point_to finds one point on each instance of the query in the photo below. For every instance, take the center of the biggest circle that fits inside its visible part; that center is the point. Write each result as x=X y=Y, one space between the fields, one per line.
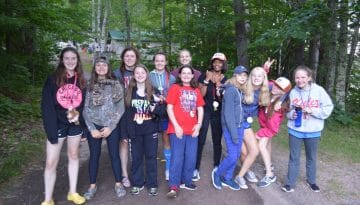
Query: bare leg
x=124 y=157
x=263 y=147
x=253 y=151
x=73 y=156
x=244 y=153
x=52 y=159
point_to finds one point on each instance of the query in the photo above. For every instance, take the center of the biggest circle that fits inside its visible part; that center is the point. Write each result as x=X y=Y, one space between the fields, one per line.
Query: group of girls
x=251 y=95
x=127 y=108
x=131 y=106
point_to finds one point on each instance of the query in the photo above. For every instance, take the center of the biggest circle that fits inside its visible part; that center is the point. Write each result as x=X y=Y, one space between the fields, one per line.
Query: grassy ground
x=337 y=141
x=22 y=136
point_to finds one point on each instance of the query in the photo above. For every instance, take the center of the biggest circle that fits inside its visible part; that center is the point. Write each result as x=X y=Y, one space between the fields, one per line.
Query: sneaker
x=153 y=191
x=190 y=187
x=216 y=180
x=90 y=193
x=126 y=182
x=196 y=176
x=241 y=182
x=314 y=187
x=173 y=191
x=266 y=181
x=231 y=184
x=136 y=190
x=251 y=177
x=76 y=198
x=287 y=188
x=120 y=191
x=167 y=175
x=51 y=202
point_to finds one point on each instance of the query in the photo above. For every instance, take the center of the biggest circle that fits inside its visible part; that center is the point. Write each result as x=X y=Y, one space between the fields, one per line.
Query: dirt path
x=339 y=182
x=338 y=185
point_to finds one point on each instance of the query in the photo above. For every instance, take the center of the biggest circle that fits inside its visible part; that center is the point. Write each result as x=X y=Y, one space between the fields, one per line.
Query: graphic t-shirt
x=185 y=101
x=142 y=115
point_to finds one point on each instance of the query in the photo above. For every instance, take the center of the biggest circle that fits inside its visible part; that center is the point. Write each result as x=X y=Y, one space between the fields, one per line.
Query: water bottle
x=298 y=119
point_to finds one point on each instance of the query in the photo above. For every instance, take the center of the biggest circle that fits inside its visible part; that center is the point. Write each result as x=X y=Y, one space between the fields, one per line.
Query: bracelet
x=206 y=82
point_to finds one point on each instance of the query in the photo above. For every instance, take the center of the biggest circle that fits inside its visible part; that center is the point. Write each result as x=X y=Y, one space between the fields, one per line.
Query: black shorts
x=70 y=131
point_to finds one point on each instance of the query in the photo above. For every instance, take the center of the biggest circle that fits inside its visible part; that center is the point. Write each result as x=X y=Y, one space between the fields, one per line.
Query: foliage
x=340 y=116
x=28 y=40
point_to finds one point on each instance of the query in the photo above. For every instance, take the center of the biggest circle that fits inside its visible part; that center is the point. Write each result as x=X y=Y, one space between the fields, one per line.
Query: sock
x=167 y=156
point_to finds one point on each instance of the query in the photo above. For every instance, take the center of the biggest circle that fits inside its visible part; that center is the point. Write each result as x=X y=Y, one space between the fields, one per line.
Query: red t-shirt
x=185 y=101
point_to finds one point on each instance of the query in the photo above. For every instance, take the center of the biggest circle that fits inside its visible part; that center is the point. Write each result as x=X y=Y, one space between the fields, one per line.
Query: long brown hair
x=60 y=72
x=149 y=91
x=95 y=76
x=161 y=54
x=137 y=54
x=193 y=83
x=276 y=99
x=308 y=71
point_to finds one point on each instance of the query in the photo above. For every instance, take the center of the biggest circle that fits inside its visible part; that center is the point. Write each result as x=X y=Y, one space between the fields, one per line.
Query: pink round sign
x=69 y=96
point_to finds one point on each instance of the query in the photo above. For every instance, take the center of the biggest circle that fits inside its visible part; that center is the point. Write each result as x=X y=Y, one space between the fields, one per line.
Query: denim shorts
x=246 y=125
x=70 y=131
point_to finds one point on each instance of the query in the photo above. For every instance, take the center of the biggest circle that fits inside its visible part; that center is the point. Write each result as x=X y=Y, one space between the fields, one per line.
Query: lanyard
x=73 y=89
x=160 y=80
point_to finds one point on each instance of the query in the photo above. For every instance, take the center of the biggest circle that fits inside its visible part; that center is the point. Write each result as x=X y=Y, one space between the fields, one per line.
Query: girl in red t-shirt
x=185 y=111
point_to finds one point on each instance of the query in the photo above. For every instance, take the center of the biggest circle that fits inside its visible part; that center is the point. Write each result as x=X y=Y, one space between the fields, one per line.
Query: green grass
x=22 y=136
x=19 y=151
x=337 y=142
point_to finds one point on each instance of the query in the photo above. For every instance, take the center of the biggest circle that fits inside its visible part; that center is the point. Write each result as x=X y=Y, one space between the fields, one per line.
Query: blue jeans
x=213 y=118
x=95 y=152
x=228 y=164
x=183 y=159
x=141 y=146
x=311 y=147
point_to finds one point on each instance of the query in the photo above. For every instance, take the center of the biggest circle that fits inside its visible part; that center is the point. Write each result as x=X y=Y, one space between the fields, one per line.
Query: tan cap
x=283 y=83
x=219 y=56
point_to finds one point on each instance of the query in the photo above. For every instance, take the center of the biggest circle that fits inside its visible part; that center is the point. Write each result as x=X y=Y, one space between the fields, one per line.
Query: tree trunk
x=93 y=16
x=98 y=18
x=299 y=53
x=170 y=38
x=163 y=27
x=354 y=42
x=240 y=33
x=314 y=54
x=103 y=27
x=342 y=68
x=188 y=13
x=330 y=56
x=127 y=23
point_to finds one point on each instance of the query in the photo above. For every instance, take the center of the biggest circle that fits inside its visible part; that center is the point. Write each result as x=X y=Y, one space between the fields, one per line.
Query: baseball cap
x=283 y=83
x=219 y=56
x=240 y=69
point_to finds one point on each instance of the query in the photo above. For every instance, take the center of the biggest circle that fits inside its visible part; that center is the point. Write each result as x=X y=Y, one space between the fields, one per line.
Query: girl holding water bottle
x=310 y=105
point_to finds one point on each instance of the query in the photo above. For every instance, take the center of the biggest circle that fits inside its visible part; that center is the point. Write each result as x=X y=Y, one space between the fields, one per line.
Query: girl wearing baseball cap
x=209 y=84
x=270 y=119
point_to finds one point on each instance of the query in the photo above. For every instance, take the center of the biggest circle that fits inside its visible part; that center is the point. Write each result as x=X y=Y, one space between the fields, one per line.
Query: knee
x=51 y=165
x=73 y=155
x=255 y=151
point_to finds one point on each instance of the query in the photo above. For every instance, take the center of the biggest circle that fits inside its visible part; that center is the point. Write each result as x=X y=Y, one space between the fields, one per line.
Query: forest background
x=322 y=34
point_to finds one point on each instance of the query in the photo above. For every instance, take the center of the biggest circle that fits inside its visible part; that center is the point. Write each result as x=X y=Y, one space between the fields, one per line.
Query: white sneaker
x=251 y=177
x=167 y=175
x=196 y=176
x=241 y=182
